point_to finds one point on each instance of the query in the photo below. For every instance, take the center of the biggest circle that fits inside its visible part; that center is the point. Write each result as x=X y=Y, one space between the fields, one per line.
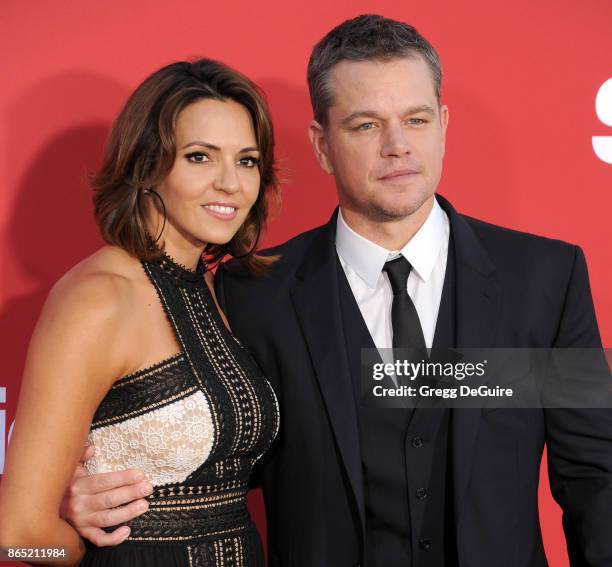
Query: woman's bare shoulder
x=89 y=312
x=104 y=282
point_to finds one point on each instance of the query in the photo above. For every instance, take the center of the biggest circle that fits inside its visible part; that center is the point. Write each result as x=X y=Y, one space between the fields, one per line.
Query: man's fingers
x=103 y=539
x=118 y=496
x=96 y=483
x=108 y=518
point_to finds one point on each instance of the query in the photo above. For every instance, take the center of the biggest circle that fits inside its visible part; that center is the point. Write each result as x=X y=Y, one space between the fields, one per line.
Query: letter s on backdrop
x=602 y=145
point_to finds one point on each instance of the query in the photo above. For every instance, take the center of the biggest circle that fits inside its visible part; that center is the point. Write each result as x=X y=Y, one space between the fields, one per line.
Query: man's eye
x=197 y=157
x=417 y=121
x=366 y=126
x=249 y=161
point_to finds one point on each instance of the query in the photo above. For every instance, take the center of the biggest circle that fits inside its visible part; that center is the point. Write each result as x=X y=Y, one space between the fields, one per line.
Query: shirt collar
x=367 y=259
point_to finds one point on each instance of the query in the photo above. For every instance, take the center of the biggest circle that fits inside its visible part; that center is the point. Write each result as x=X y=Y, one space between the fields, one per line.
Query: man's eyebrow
x=217 y=148
x=360 y=114
x=373 y=114
x=420 y=108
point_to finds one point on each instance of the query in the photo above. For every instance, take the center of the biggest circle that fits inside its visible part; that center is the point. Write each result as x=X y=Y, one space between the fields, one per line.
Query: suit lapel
x=478 y=304
x=316 y=302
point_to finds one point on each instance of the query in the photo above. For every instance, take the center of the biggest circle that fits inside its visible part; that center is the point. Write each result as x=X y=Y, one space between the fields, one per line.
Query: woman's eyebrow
x=216 y=148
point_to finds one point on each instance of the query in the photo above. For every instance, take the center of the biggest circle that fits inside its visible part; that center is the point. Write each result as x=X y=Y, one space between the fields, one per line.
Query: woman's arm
x=75 y=354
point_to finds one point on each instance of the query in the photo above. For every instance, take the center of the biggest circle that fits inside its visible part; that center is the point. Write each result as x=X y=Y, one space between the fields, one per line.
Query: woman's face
x=215 y=177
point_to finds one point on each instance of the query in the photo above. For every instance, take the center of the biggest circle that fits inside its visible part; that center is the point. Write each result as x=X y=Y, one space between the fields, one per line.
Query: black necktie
x=407 y=332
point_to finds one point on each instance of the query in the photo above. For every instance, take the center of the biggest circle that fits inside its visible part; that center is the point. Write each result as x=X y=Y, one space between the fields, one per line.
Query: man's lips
x=398 y=174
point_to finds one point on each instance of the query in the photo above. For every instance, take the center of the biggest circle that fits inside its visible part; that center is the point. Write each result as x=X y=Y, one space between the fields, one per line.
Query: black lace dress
x=195 y=423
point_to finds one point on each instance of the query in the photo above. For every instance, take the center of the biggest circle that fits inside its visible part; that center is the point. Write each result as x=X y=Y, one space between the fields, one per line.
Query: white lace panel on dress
x=167 y=444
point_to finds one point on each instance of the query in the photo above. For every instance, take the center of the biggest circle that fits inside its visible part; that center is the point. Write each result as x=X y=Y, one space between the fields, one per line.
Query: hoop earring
x=151 y=191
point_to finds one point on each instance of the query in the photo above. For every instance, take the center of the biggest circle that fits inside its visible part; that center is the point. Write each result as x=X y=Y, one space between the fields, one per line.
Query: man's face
x=385 y=137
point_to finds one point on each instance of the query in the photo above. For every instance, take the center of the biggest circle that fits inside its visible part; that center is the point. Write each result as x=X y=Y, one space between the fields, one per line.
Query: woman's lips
x=221 y=210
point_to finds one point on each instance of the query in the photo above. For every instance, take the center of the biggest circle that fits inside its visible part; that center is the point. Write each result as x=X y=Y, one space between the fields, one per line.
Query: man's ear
x=316 y=133
x=444 y=124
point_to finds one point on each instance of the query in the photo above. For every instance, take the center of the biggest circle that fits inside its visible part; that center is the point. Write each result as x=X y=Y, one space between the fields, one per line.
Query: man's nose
x=396 y=141
x=227 y=179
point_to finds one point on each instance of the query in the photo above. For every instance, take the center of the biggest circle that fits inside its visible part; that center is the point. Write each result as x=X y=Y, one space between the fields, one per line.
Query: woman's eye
x=249 y=161
x=197 y=157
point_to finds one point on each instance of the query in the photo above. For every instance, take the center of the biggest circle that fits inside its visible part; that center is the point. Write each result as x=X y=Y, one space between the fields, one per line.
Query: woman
x=131 y=350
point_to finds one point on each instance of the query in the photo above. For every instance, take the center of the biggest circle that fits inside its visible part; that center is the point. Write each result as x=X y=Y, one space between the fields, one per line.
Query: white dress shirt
x=363 y=262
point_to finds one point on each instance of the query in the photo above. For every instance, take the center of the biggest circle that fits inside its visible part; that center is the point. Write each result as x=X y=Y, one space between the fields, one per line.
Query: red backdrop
x=521 y=80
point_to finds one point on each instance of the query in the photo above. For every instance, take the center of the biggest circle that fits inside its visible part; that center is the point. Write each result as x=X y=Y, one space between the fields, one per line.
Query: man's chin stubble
x=380 y=213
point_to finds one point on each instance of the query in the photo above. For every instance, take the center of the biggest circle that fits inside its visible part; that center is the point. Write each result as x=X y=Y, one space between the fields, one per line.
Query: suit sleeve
x=579 y=441
x=578 y=325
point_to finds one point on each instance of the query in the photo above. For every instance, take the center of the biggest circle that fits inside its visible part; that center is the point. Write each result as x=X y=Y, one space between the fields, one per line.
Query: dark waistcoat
x=404 y=455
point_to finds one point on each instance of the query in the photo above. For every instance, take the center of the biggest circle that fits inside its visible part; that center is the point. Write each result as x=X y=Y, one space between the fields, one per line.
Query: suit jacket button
x=417 y=442
x=421 y=493
x=424 y=543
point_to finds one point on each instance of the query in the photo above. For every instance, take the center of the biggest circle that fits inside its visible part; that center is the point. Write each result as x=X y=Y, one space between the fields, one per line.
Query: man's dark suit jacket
x=512 y=290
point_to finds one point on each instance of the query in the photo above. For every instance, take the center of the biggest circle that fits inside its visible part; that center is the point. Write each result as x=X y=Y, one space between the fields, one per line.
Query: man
x=398 y=266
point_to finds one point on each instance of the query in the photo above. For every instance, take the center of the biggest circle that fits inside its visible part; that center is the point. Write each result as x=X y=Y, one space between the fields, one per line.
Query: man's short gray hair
x=365 y=38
